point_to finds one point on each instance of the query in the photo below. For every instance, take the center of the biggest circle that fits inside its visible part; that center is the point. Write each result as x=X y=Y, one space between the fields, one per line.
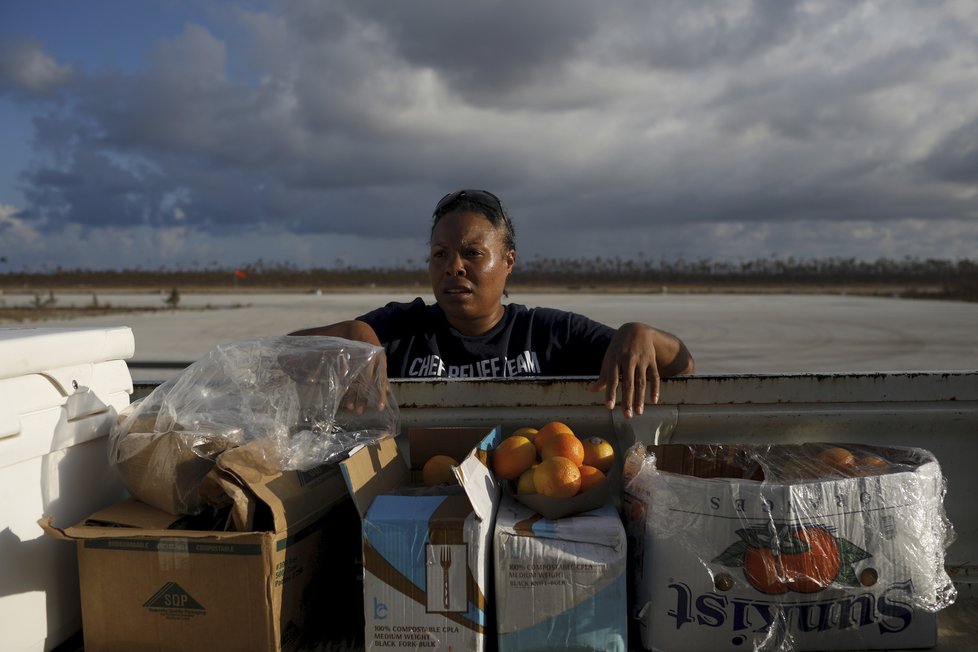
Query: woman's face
x=468 y=266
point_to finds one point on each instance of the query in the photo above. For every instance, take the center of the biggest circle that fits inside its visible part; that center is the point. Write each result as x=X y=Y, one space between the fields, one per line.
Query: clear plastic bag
x=814 y=545
x=296 y=401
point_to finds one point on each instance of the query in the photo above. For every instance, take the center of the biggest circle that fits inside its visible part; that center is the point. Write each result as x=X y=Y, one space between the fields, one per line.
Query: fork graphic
x=445 y=558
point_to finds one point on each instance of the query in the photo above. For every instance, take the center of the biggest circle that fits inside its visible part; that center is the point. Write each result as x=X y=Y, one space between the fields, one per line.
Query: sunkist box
x=147 y=585
x=60 y=392
x=700 y=545
x=426 y=552
x=560 y=584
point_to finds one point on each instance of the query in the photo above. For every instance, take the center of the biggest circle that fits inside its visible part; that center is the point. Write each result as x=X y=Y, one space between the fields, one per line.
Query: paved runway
x=726 y=333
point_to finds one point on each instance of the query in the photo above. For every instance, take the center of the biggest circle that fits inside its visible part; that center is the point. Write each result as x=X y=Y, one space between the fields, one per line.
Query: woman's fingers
x=638 y=391
x=607 y=380
x=629 y=364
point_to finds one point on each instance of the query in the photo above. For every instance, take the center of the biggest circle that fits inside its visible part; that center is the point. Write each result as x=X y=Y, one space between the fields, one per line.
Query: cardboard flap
x=114 y=520
x=218 y=488
x=471 y=446
x=479 y=485
x=47 y=524
x=425 y=443
x=132 y=513
x=373 y=470
x=291 y=496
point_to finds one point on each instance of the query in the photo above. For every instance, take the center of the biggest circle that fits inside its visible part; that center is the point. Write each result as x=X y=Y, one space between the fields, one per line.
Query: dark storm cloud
x=353 y=117
x=485 y=49
x=955 y=160
x=677 y=35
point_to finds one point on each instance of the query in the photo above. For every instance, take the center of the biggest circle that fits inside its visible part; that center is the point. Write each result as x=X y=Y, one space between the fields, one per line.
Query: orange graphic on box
x=781 y=558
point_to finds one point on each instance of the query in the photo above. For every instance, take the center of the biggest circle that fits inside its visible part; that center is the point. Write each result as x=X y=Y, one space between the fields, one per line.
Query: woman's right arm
x=352 y=330
x=361 y=332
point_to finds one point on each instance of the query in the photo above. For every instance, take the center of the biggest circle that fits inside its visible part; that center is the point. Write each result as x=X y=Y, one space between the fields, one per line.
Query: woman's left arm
x=637 y=356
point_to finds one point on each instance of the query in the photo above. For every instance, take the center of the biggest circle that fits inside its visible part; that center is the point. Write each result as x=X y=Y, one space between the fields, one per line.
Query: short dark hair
x=477 y=201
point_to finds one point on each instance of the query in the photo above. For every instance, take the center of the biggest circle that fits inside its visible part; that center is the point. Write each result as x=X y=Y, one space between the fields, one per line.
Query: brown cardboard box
x=163 y=463
x=146 y=585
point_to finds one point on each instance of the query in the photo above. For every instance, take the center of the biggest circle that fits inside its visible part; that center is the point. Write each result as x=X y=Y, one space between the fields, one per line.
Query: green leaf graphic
x=757 y=536
x=850 y=553
x=847 y=576
x=733 y=556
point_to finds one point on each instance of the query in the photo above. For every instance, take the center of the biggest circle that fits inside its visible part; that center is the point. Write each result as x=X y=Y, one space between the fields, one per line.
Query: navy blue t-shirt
x=420 y=343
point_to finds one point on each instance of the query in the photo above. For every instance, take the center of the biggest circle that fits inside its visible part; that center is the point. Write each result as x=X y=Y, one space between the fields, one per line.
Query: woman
x=469 y=332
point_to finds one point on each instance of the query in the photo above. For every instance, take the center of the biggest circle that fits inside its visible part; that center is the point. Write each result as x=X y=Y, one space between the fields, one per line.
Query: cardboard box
x=147 y=584
x=560 y=584
x=60 y=392
x=165 y=469
x=698 y=549
x=426 y=552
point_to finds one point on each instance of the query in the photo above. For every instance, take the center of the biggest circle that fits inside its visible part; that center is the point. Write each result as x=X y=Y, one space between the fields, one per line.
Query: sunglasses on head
x=480 y=197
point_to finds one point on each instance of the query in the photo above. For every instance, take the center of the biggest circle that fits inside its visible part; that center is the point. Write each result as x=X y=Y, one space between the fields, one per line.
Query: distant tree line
x=933 y=277
x=771 y=271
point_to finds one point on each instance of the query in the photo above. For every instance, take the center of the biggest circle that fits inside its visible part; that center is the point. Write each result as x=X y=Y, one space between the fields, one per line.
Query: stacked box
x=60 y=392
x=560 y=584
x=426 y=552
x=151 y=580
x=703 y=550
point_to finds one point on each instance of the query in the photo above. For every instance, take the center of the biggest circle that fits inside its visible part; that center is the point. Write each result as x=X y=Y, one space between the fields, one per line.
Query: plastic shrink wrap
x=297 y=402
x=786 y=547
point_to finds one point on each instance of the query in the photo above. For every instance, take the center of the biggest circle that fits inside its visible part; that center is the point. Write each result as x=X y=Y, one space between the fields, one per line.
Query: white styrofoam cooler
x=60 y=392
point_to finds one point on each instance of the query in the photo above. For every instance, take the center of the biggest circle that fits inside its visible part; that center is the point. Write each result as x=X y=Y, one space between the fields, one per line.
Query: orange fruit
x=564 y=444
x=548 y=431
x=590 y=477
x=816 y=567
x=529 y=433
x=557 y=477
x=598 y=453
x=514 y=455
x=764 y=571
x=838 y=458
x=525 y=485
x=438 y=470
x=871 y=464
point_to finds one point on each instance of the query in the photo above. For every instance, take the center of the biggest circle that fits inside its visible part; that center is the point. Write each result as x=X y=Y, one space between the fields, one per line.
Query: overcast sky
x=322 y=132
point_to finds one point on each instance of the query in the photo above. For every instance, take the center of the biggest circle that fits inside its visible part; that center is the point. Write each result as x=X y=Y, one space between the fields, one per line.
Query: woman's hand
x=636 y=357
x=372 y=392
x=376 y=392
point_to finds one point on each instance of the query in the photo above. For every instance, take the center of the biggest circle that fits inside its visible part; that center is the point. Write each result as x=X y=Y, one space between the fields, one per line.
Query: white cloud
x=16 y=232
x=194 y=56
x=27 y=67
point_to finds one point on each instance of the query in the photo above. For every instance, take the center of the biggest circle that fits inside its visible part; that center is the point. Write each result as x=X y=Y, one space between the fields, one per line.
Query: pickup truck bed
x=937 y=411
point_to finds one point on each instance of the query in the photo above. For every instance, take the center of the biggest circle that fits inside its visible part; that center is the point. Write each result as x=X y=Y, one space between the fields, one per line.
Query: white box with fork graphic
x=426 y=551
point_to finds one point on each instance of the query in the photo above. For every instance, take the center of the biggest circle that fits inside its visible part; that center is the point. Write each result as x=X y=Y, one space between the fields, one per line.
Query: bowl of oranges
x=554 y=471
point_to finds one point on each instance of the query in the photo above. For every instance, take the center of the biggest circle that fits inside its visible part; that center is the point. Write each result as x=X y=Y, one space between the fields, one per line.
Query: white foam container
x=60 y=392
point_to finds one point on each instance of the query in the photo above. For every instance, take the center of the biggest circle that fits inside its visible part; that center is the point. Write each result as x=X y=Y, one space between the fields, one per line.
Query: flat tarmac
x=727 y=333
